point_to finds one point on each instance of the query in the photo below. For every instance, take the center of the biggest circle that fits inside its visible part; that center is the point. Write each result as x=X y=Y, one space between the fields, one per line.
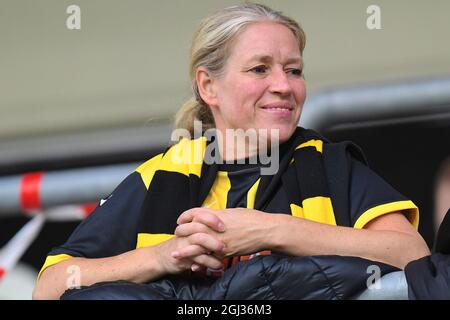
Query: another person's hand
x=246 y=231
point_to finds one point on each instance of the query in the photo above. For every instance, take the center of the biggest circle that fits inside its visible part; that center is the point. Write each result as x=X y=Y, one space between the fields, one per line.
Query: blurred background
x=106 y=94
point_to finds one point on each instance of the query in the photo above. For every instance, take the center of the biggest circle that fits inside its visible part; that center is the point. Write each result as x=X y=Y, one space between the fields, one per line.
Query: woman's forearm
x=139 y=265
x=302 y=237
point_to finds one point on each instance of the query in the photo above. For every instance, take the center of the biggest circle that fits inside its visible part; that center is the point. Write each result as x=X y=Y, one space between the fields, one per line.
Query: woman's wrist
x=274 y=237
x=150 y=264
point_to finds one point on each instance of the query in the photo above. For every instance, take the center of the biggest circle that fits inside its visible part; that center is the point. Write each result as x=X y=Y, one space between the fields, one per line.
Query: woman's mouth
x=283 y=109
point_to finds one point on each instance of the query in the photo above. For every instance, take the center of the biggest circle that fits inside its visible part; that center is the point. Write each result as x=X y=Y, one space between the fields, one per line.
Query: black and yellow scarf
x=178 y=180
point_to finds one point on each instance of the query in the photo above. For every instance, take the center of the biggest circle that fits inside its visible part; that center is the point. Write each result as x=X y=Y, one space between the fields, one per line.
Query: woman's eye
x=296 y=72
x=259 y=69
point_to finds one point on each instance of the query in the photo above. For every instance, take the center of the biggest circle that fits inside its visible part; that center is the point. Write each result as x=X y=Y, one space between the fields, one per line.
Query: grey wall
x=128 y=64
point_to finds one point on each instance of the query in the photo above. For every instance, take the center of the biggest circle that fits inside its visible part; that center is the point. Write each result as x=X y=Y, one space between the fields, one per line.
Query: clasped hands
x=205 y=236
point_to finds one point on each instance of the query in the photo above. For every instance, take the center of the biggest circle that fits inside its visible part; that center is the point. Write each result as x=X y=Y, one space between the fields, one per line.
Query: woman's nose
x=280 y=83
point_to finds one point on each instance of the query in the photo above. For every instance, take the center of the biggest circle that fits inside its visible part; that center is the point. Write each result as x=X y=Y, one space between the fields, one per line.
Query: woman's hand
x=245 y=231
x=196 y=247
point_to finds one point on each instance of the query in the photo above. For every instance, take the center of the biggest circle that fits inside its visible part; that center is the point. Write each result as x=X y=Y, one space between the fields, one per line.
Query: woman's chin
x=277 y=134
x=285 y=132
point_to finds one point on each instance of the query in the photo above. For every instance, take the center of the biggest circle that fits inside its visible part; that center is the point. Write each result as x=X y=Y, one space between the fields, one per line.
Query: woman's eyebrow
x=260 y=58
x=292 y=60
x=267 y=59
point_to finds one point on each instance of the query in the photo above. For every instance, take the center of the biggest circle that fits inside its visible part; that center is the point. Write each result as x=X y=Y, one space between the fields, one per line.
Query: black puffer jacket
x=429 y=277
x=264 y=277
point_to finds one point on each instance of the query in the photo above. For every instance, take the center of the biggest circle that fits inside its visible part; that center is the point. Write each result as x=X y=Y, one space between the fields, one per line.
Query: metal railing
x=45 y=190
x=364 y=106
x=392 y=286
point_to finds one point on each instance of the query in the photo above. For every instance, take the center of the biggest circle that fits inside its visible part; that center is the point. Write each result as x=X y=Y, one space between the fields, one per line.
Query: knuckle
x=219 y=245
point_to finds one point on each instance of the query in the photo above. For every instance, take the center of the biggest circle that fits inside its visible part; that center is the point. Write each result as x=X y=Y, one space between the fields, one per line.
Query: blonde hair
x=210 y=49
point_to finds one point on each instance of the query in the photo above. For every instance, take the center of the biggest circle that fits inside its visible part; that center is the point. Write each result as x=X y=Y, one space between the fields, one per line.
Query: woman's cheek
x=251 y=91
x=300 y=93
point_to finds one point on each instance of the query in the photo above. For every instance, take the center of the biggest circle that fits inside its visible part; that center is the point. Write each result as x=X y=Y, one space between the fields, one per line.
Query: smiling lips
x=280 y=108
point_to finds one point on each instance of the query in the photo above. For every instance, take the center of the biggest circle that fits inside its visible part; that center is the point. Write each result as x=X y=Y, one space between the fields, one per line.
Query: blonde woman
x=170 y=217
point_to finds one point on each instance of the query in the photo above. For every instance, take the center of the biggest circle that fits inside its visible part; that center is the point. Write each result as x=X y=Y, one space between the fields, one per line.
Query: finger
x=196 y=267
x=211 y=220
x=189 y=251
x=207 y=241
x=208 y=261
x=202 y=215
x=188 y=215
x=186 y=229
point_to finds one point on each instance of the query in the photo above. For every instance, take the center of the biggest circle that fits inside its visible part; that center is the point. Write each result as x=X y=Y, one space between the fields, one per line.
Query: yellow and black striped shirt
x=112 y=228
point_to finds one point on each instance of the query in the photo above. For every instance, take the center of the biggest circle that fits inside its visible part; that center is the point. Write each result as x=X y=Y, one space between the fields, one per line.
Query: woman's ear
x=206 y=86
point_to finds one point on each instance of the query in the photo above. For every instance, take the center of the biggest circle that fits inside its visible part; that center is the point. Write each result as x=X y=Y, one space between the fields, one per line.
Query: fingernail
x=195 y=267
x=221 y=227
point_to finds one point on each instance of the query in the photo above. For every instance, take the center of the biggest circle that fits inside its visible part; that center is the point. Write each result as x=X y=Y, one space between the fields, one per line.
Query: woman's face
x=262 y=86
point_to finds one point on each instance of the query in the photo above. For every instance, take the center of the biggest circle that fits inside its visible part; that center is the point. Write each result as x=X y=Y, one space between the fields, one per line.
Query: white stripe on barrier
x=65 y=213
x=11 y=253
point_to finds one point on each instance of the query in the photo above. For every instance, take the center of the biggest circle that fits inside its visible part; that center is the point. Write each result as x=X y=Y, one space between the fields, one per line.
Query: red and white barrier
x=44 y=190
x=30 y=186
x=11 y=253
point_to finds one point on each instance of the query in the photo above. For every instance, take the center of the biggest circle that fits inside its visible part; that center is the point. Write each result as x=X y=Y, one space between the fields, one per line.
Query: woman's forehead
x=262 y=41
